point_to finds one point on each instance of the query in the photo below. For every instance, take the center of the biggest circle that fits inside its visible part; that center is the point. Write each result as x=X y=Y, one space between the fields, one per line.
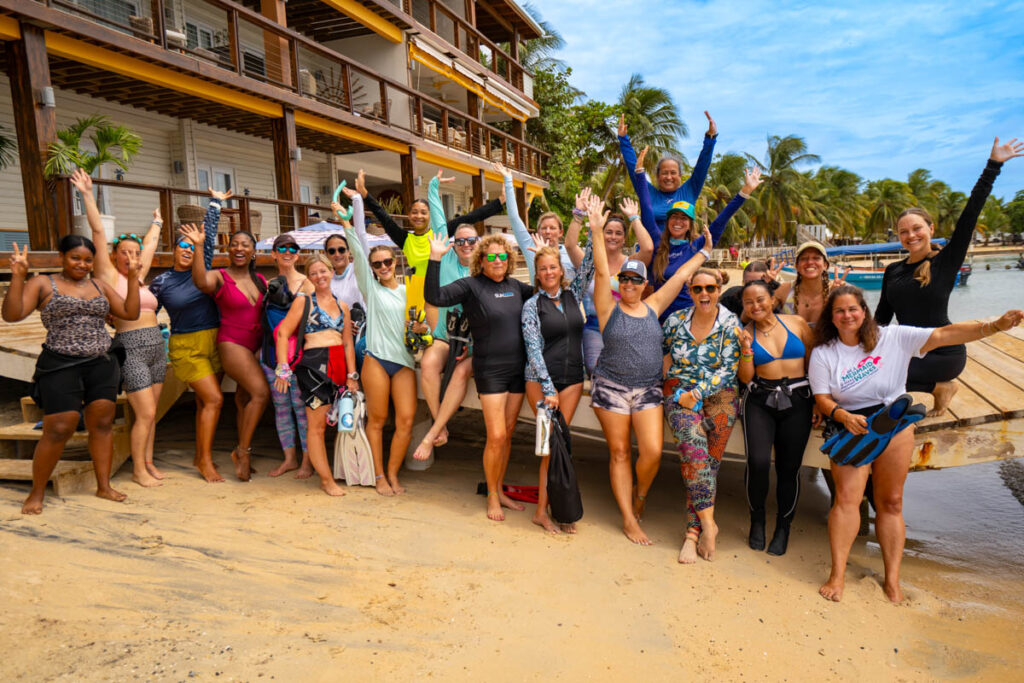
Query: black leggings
x=787 y=430
x=944 y=364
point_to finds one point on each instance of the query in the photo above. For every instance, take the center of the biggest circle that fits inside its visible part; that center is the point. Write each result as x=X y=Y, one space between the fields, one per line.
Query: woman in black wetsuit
x=916 y=290
x=493 y=302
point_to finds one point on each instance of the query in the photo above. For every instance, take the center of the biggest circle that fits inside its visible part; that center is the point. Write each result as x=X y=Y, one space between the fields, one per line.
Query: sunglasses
x=631 y=279
x=383 y=263
x=184 y=244
x=290 y=249
x=697 y=289
x=503 y=256
x=336 y=250
x=466 y=241
x=127 y=236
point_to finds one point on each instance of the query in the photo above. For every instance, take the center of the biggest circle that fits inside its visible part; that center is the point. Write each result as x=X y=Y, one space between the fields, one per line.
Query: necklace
x=770 y=329
x=73 y=283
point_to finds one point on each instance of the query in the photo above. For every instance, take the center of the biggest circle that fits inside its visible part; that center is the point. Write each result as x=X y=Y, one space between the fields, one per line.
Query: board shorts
x=194 y=355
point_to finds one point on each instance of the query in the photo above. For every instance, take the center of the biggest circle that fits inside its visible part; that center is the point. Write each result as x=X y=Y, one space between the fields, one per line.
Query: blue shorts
x=617 y=398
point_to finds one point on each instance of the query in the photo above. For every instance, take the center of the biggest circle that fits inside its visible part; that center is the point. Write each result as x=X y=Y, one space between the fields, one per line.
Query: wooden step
x=69 y=476
x=30 y=412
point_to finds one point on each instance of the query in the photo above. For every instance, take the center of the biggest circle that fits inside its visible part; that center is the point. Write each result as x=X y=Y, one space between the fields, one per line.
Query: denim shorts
x=617 y=398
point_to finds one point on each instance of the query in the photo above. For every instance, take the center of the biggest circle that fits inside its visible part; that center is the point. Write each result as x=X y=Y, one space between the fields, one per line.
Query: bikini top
x=320 y=321
x=147 y=302
x=794 y=348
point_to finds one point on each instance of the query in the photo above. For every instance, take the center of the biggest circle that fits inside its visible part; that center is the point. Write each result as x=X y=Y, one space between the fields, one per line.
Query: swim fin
x=845 y=448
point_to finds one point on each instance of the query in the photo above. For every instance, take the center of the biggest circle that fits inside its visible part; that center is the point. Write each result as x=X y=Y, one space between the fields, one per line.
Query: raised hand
x=708 y=242
x=19 y=262
x=597 y=217
x=629 y=207
x=194 y=235
x=772 y=274
x=623 y=129
x=440 y=245
x=134 y=264
x=222 y=196
x=348 y=192
x=745 y=339
x=712 y=126
x=83 y=183
x=500 y=169
x=583 y=199
x=639 y=168
x=361 y=183
x=538 y=242
x=751 y=180
x=442 y=179
x=1010 y=150
x=1008 y=320
x=504 y=199
x=840 y=280
x=156 y=216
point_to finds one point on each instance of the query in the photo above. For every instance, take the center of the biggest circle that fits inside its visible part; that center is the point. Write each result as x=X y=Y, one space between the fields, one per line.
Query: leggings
x=285 y=407
x=944 y=364
x=700 y=453
x=787 y=430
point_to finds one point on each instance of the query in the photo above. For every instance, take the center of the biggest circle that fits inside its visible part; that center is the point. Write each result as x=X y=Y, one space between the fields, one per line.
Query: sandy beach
x=274 y=580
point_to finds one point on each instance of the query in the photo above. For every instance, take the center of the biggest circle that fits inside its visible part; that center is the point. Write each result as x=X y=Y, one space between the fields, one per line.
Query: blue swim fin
x=845 y=448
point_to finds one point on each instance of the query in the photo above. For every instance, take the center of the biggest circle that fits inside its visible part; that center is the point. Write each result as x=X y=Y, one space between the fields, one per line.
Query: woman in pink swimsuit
x=238 y=291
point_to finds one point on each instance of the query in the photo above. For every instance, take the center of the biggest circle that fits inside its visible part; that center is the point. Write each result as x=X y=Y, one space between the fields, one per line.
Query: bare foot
x=833 y=588
x=943 y=393
x=494 y=512
x=639 y=502
x=153 y=471
x=507 y=502
x=240 y=457
x=383 y=487
x=893 y=592
x=209 y=472
x=706 y=544
x=286 y=466
x=304 y=472
x=331 y=488
x=635 y=534
x=569 y=528
x=395 y=486
x=142 y=477
x=542 y=520
x=688 y=553
x=33 y=505
x=423 y=450
x=442 y=438
x=108 y=493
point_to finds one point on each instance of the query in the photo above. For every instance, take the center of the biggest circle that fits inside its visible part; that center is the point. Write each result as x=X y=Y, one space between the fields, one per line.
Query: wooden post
x=64 y=204
x=473 y=104
x=524 y=210
x=167 y=212
x=478 y=197
x=286 y=169
x=276 y=47
x=36 y=127
x=408 y=167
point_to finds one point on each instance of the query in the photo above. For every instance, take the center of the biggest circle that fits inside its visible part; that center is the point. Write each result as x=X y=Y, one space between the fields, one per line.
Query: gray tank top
x=632 y=349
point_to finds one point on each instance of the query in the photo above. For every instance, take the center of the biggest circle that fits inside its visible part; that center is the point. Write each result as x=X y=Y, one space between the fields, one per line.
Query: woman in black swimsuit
x=74 y=368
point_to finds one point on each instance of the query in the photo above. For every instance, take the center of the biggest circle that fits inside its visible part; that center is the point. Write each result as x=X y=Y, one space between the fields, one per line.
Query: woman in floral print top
x=703 y=344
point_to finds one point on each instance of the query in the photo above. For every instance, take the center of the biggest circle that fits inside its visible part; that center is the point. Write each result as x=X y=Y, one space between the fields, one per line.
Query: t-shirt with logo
x=856 y=378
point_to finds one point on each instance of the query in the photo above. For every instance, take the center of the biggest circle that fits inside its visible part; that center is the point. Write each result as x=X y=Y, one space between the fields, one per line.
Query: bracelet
x=746 y=355
x=159 y=223
x=578 y=213
x=677 y=395
x=353 y=375
x=831 y=415
x=283 y=371
x=634 y=217
x=707 y=254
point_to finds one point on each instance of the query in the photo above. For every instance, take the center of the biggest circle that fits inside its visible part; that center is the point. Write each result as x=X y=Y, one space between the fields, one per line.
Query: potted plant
x=112 y=144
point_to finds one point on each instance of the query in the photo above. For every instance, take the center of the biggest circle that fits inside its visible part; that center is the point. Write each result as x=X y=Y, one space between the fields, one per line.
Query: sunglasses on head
x=288 y=248
x=464 y=241
x=185 y=244
x=503 y=256
x=127 y=236
x=697 y=289
x=631 y=279
x=383 y=263
x=336 y=250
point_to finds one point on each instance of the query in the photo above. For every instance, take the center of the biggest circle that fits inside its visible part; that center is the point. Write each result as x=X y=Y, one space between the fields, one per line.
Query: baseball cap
x=683 y=206
x=283 y=239
x=817 y=246
x=635 y=267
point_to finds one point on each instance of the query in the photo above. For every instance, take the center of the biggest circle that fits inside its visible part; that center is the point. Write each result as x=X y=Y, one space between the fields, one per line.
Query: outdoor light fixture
x=179 y=167
x=246 y=192
x=418 y=181
x=46 y=98
x=295 y=154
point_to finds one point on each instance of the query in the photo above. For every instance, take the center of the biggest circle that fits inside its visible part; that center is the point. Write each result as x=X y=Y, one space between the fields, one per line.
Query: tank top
x=76 y=327
x=147 y=302
x=632 y=349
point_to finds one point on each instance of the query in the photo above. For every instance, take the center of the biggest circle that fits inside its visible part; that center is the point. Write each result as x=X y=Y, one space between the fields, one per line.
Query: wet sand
x=274 y=580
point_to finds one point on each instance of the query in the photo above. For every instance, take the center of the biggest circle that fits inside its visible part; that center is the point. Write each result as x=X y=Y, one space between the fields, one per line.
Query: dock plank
x=1008 y=344
x=1005 y=365
x=967 y=408
x=996 y=390
x=1015 y=332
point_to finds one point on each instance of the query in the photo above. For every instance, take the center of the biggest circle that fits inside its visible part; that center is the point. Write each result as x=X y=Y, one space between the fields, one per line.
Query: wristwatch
x=353 y=375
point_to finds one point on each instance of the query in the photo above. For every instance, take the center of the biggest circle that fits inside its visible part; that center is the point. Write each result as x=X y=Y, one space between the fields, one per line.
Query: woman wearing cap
x=388 y=367
x=856 y=368
x=812 y=285
x=916 y=290
x=289 y=409
x=702 y=344
x=493 y=304
x=626 y=393
x=615 y=234
x=145 y=364
x=192 y=348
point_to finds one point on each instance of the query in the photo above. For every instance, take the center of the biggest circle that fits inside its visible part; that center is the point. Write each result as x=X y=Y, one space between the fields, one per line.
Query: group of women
x=646 y=324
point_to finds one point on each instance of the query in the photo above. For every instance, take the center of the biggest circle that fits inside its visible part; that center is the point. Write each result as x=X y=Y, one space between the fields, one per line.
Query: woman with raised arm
x=777 y=409
x=627 y=392
x=553 y=332
x=388 y=367
x=145 y=364
x=493 y=302
x=192 y=348
x=75 y=367
x=916 y=290
x=615 y=233
x=856 y=368
x=328 y=360
x=238 y=292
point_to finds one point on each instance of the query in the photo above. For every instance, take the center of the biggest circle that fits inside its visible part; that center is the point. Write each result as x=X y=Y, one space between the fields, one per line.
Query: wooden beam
x=478 y=197
x=367 y=18
x=277 y=60
x=286 y=169
x=36 y=127
x=524 y=208
x=408 y=167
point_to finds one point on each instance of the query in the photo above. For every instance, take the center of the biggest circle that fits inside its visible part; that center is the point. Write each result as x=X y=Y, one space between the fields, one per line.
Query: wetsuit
x=494 y=310
x=927 y=306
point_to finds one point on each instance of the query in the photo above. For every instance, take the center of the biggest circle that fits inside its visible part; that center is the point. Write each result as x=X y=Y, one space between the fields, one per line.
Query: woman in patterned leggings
x=700 y=402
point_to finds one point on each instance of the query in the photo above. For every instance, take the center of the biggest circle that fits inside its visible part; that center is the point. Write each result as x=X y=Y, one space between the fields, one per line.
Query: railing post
x=384 y=101
x=419 y=116
x=243 y=215
x=293 y=56
x=234 y=45
x=346 y=77
x=432 y=15
x=158 y=23
x=65 y=206
x=444 y=126
x=167 y=212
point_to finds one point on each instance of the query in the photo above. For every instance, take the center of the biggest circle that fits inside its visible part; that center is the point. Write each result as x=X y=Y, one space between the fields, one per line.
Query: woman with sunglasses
x=145 y=364
x=388 y=367
x=626 y=394
x=343 y=282
x=238 y=292
x=192 y=348
x=493 y=303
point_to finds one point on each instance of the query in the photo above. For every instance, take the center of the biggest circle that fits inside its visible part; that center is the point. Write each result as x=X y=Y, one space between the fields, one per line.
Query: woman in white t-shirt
x=856 y=368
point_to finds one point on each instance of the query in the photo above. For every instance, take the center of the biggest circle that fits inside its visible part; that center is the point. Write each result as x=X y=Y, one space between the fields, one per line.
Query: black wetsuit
x=495 y=311
x=912 y=304
x=562 y=329
x=398 y=235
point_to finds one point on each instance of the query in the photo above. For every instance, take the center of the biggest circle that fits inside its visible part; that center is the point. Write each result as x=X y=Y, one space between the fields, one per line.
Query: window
x=254 y=63
x=305 y=194
x=448 y=202
x=118 y=11
x=198 y=36
x=220 y=179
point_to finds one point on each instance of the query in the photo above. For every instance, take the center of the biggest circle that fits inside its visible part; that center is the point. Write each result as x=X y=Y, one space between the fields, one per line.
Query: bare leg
x=648 y=425
x=403 y=396
x=620 y=470
x=57 y=429
x=241 y=366
x=377 y=386
x=99 y=421
x=209 y=401
x=568 y=399
x=150 y=467
x=513 y=404
x=316 y=424
x=943 y=393
x=843 y=524
x=144 y=415
x=431 y=373
x=889 y=472
x=493 y=406
x=708 y=533
x=453 y=397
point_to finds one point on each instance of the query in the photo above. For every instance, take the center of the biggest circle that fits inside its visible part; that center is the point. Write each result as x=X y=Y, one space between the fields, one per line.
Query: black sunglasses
x=383 y=263
x=631 y=279
x=463 y=241
x=336 y=250
x=697 y=289
x=290 y=248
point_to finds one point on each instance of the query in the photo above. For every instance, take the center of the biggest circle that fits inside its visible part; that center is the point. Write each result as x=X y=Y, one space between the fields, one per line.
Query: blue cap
x=635 y=267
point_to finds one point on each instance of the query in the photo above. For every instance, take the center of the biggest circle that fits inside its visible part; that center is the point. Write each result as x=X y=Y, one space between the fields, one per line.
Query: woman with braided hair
x=807 y=298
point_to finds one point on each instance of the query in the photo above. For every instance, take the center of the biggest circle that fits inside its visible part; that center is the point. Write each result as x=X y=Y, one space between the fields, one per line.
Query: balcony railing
x=235 y=38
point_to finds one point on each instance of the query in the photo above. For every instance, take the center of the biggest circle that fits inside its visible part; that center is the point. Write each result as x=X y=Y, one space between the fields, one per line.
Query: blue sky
x=880 y=88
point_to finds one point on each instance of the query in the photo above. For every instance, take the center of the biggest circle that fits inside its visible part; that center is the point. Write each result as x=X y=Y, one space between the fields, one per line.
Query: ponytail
x=923 y=273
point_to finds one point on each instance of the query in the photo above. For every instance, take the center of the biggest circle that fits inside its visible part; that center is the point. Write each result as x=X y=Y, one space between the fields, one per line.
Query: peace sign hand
x=745 y=339
x=772 y=274
x=1010 y=150
x=19 y=262
x=639 y=168
x=134 y=264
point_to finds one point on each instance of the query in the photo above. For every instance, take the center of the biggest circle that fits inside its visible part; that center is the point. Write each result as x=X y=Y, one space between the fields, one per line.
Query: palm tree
x=113 y=144
x=993 y=217
x=8 y=146
x=785 y=194
x=886 y=200
x=725 y=178
x=538 y=53
x=948 y=207
x=838 y=201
